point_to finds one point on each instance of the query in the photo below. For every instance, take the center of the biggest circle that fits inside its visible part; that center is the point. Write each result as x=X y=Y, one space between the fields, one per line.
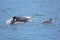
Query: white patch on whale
x=29 y=17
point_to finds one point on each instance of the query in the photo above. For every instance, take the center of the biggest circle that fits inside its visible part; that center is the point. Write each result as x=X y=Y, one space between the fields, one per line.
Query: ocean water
x=39 y=10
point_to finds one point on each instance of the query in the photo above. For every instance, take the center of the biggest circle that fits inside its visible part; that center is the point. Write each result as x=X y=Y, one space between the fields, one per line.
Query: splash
x=9 y=21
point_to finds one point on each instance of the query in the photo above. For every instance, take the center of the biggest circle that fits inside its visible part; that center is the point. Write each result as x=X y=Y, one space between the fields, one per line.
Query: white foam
x=9 y=21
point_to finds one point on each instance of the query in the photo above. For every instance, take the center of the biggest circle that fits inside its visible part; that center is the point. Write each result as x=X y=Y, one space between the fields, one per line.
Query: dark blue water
x=40 y=10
